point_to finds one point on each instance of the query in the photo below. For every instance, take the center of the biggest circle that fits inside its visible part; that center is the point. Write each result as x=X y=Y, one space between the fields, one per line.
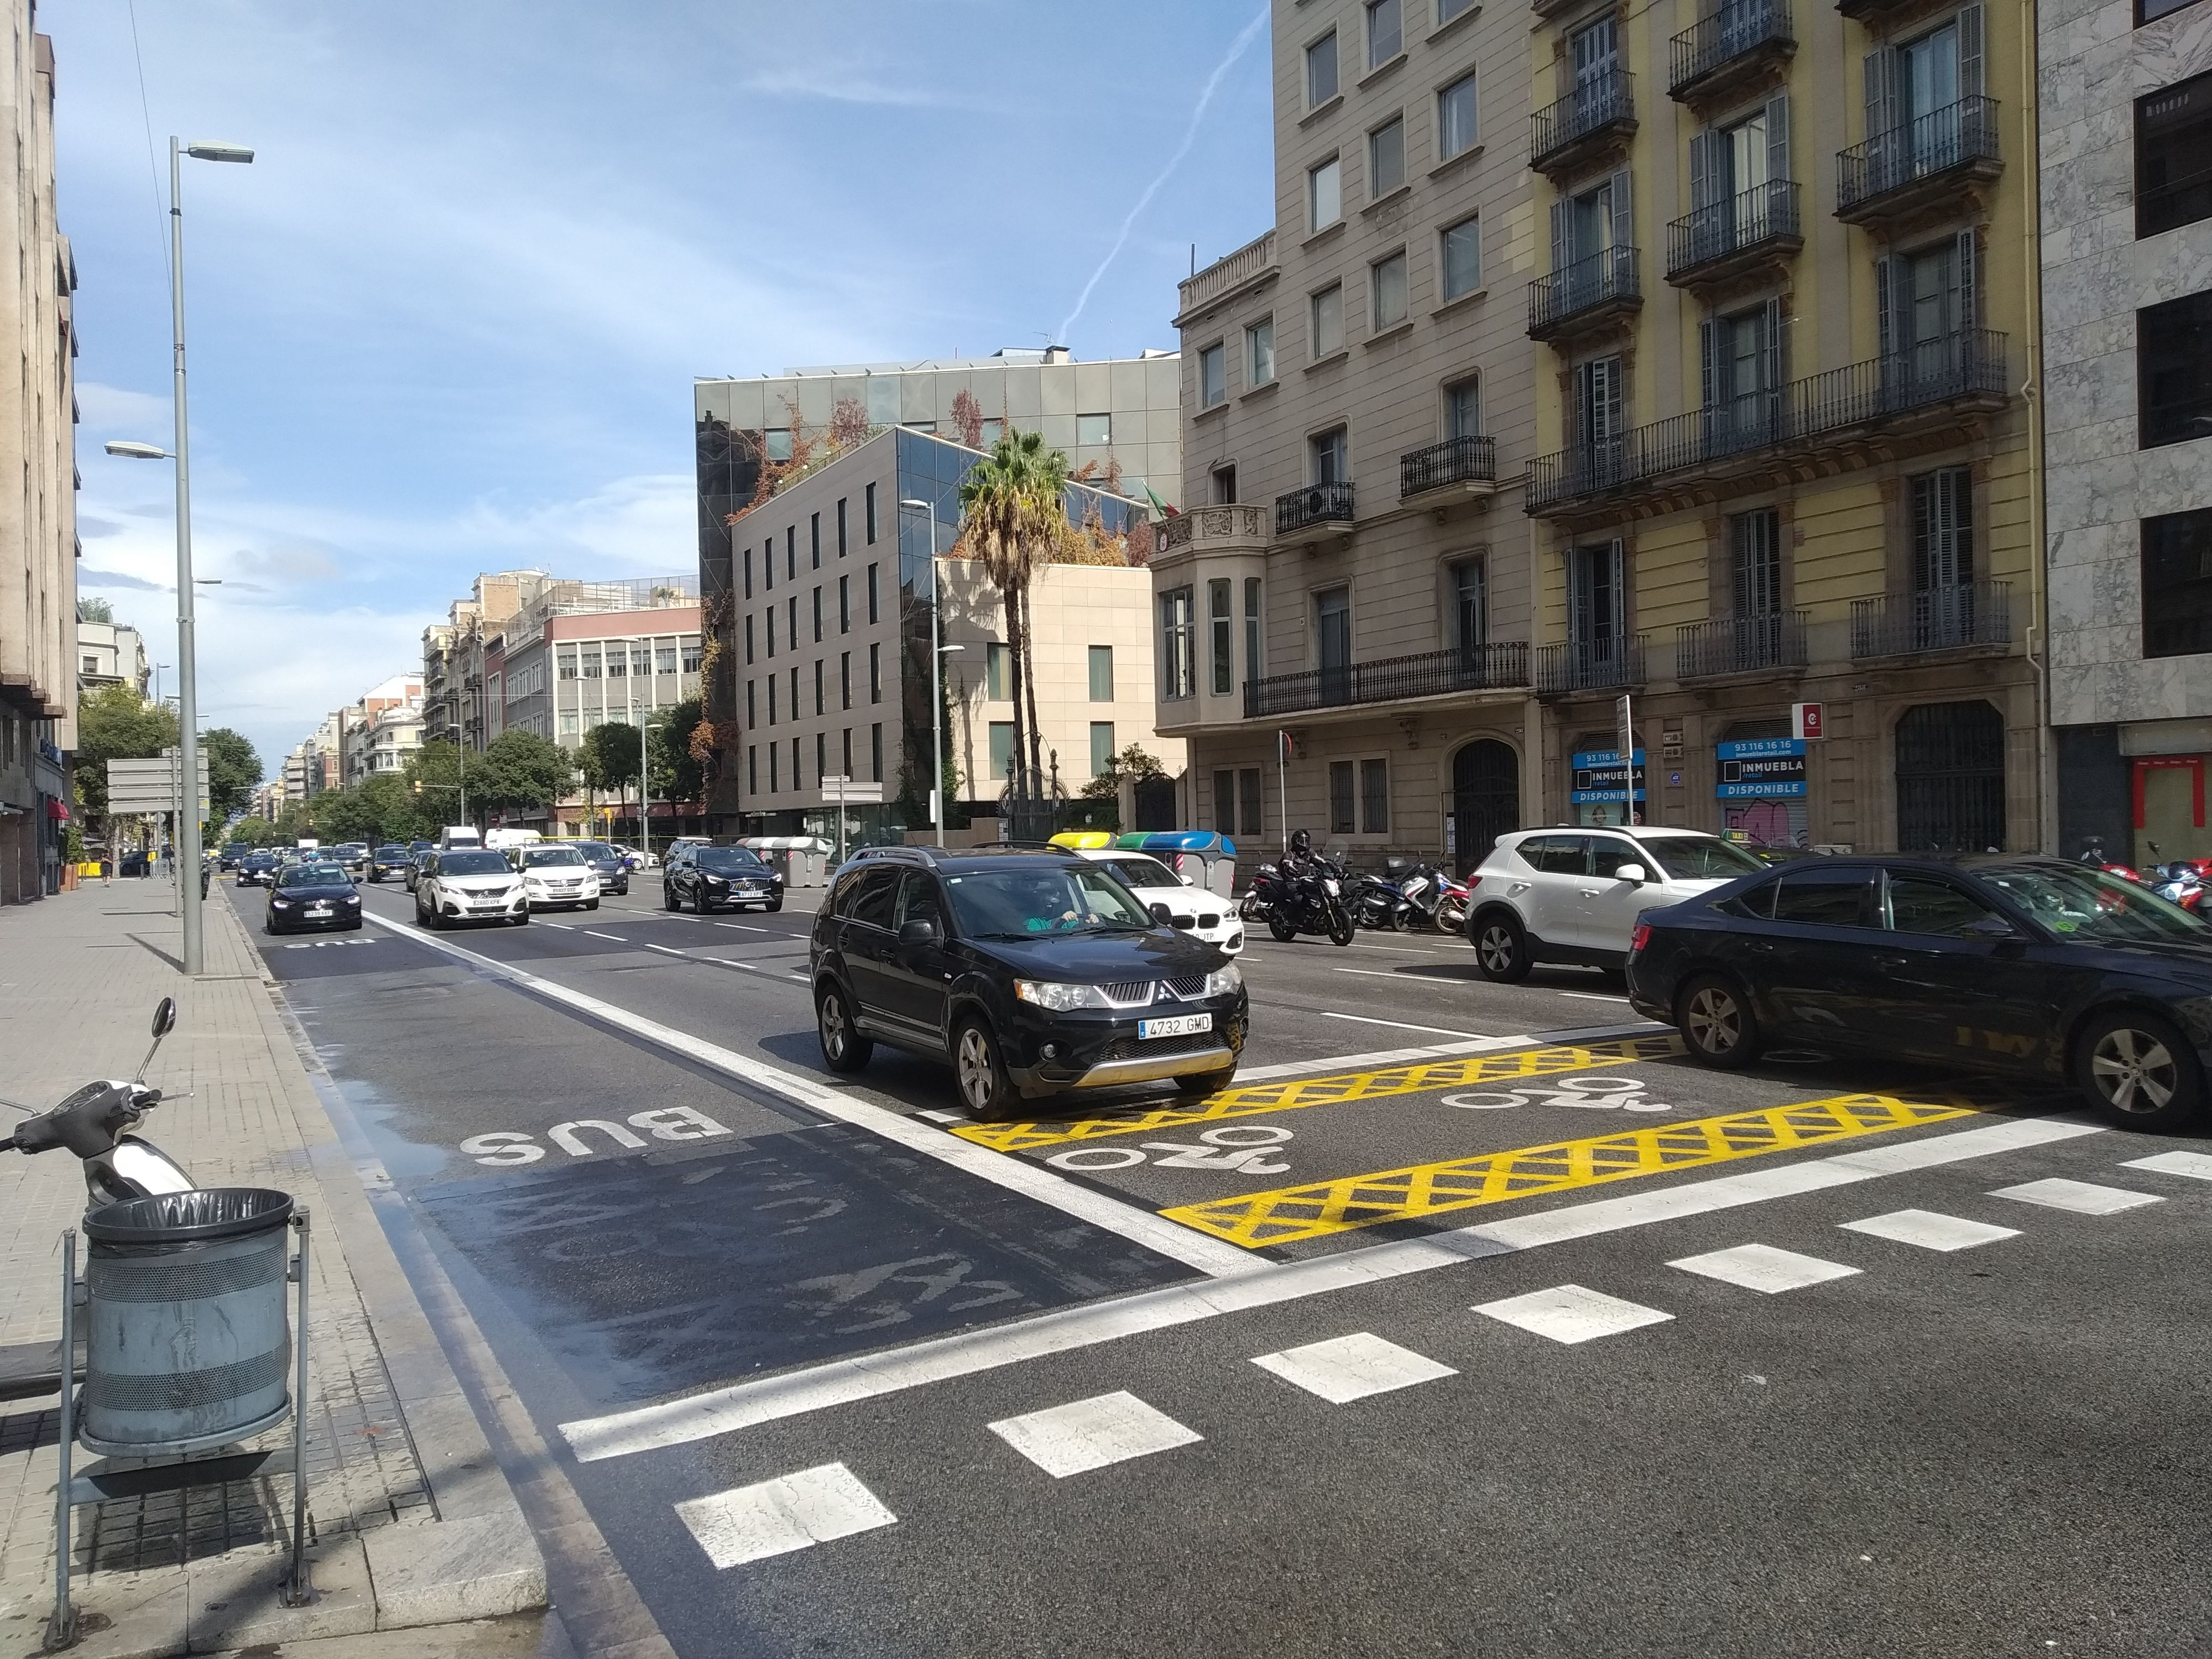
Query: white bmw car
x=1198 y=911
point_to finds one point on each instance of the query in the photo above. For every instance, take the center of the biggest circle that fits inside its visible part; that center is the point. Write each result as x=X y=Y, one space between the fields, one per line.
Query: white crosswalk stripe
x=2196 y=1165
x=1763 y=1268
x=1090 y=1434
x=1348 y=1368
x=2082 y=1197
x=1931 y=1230
x=1572 y=1313
x=774 y=1517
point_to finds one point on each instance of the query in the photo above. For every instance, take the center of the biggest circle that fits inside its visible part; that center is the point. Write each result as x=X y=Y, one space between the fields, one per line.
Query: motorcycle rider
x=1300 y=860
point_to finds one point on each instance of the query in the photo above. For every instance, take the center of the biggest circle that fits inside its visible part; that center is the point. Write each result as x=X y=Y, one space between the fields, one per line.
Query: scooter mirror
x=165 y=1017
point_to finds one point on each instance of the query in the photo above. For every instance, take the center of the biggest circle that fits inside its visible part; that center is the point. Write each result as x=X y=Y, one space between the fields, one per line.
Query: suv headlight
x=1059 y=996
x=1224 y=982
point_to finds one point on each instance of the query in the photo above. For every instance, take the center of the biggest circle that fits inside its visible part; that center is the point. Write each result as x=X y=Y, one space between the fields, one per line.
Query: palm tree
x=1013 y=518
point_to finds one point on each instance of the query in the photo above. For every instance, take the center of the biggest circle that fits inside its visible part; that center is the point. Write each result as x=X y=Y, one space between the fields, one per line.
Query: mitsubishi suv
x=1573 y=896
x=1033 y=972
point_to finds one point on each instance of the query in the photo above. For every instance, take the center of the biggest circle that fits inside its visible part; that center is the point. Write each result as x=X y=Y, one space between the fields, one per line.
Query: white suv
x=1573 y=896
x=469 y=883
x=554 y=873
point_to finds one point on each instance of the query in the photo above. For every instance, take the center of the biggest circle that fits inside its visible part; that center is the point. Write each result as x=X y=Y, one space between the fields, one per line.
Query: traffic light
x=418 y=785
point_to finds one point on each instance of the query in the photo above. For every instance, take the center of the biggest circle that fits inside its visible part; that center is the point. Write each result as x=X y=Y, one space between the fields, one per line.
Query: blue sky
x=448 y=320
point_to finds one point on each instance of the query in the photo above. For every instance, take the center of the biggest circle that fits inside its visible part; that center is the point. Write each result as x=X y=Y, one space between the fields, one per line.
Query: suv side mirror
x=1631 y=872
x=918 y=931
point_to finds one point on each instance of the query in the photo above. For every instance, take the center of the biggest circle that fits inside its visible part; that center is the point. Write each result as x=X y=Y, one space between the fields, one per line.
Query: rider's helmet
x=1301 y=843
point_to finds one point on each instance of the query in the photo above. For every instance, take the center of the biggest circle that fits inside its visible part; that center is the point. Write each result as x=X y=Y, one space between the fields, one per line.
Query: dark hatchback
x=312 y=896
x=610 y=866
x=257 y=869
x=390 y=860
x=1033 y=973
x=2023 y=966
x=711 y=878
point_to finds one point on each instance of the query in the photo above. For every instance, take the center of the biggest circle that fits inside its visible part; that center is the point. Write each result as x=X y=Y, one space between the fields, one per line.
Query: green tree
x=1013 y=516
x=233 y=770
x=115 y=723
x=254 y=832
x=519 y=769
x=295 y=822
x=376 y=809
x=433 y=776
x=95 y=610
x=677 y=772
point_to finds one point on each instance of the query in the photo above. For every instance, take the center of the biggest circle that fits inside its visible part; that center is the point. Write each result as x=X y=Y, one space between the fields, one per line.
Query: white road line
x=872 y=1377
x=1092 y=1434
x=774 y=1517
x=1588 y=996
x=616 y=938
x=1438 y=1030
x=1572 y=1313
x=1162 y=1236
x=666 y=951
x=1348 y=1368
x=1763 y=1268
x=2196 y=1165
x=1378 y=973
x=1930 y=1229
x=2082 y=1197
x=565 y=926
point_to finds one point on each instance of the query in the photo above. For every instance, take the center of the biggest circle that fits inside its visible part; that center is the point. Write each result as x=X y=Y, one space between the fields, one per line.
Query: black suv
x=709 y=878
x=1033 y=972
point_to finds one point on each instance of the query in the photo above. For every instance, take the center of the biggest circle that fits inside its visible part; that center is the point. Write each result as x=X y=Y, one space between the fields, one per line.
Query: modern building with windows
x=2126 y=103
x=1784 y=334
x=111 y=653
x=1345 y=609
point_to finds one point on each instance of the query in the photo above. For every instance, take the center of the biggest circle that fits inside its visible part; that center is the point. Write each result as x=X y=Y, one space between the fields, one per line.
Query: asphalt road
x=834 y=1372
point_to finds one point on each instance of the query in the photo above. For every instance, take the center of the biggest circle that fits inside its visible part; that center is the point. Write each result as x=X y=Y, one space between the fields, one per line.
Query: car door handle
x=1765 y=947
x=1892 y=963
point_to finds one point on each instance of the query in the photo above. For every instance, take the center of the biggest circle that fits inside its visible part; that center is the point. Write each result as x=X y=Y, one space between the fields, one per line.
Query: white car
x=469 y=883
x=556 y=875
x=1198 y=911
x=1573 y=896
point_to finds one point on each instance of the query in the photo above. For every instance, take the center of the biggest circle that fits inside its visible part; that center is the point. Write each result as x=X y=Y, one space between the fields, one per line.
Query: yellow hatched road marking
x=1321 y=1207
x=1414 y=1078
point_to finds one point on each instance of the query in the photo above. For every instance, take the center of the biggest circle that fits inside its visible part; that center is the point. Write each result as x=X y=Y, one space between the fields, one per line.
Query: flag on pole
x=1160 y=506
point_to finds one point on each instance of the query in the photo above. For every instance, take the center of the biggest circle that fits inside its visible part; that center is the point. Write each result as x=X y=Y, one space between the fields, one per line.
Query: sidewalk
x=410 y=1521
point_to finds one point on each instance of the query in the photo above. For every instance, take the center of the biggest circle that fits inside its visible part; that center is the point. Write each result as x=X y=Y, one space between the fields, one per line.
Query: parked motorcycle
x=1378 y=901
x=2181 y=882
x=2093 y=853
x=1434 y=899
x=95 y=1123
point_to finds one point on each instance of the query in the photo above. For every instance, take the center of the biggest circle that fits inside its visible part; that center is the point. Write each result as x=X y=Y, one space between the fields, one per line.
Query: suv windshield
x=472 y=862
x=1701 y=858
x=315 y=875
x=538 y=856
x=2078 y=901
x=726 y=860
x=1018 y=903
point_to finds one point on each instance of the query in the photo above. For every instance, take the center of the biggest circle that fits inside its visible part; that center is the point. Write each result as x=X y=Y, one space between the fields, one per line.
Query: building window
x=569 y=722
x=1597 y=602
x=775 y=782
x=1177 y=674
x=1212 y=376
x=1324 y=195
x=790 y=552
x=589 y=656
x=777 y=439
x=767 y=565
x=1463 y=408
x=874 y=614
x=1374 y=797
x=840 y=526
x=1220 y=627
x=845 y=748
x=1388 y=291
x=821 y=756
x=565 y=659
x=1386 y=158
x=664 y=660
x=1756 y=562
x=1461 y=259
x=1385 y=33
x=1455 y=118
x=844 y=604
x=1328 y=321
x=753 y=703
x=798 y=777
x=748 y=573
x=693 y=656
x=1093 y=430
x=752 y=769
x=1102 y=673
x=1342 y=795
x=875 y=673
x=771 y=699
x=1320 y=71
x=820 y=703
x=1470 y=616
x=769 y=616
x=996 y=661
x=814 y=539
x=1102 y=748
x=2173 y=156
x=1330 y=456
x=1944 y=558
x=1259 y=352
x=818 y=614
x=993 y=429
x=1224 y=803
x=617 y=662
x=1252 y=661
x=845 y=679
x=2173 y=366
x=641 y=662
x=876 y=752
x=1448 y=9
x=1002 y=749
x=2150 y=11
x=868 y=511
x=1225 y=484
x=1333 y=642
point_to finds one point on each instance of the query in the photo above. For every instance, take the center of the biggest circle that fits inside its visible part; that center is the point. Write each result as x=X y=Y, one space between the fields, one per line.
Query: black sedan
x=313 y=896
x=2024 y=966
x=257 y=869
x=390 y=860
x=707 y=879
x=610 y=866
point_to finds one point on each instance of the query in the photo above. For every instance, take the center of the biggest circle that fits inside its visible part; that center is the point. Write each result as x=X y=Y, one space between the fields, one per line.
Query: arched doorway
x=1951 y=778
x=1485 y=800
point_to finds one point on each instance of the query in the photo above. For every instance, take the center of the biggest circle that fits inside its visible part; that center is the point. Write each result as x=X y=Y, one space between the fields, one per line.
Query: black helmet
x=1301 y=842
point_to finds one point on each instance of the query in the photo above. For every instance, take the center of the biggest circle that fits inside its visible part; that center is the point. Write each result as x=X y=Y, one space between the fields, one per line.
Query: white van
x=502 y=840
x=458 y=834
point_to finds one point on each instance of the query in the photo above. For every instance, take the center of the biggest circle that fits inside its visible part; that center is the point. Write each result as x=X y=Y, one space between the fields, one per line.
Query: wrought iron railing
x=1933 y=619
x=1736 y=28
x=1735 y=224
x=1500 y=667
x=1594 y=104
x=1954 y=136
x=1582 y=286
x=1971 y=363
x=1315 y=504
x=1590 y=665
x=1740 y=645
x=1456 y=461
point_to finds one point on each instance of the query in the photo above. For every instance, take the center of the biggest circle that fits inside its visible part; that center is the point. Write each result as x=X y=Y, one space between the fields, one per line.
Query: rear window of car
x=1557 y=855
x=1825 y=898
x=596 y=849
x=472 y=861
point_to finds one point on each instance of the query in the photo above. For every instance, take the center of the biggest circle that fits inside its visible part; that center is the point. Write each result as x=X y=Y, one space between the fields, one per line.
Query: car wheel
x=1717 y=1023
x=589 y=904
x=985 y=1088
x=522 y=921
x=2137 y=1070
x=1501 y=948
x=1199 y=1084
x=773 y=906
x=843 y=1049
x=354 y=927
x=699 y=905
x=667 y=896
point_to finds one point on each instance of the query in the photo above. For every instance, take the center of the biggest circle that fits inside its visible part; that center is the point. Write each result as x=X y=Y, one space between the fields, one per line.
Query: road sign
x=851 y=792
x=1807 y=721
x=148 y=786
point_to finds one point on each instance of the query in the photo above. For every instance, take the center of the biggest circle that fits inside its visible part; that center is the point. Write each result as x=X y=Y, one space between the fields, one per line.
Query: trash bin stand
x=61 y=1629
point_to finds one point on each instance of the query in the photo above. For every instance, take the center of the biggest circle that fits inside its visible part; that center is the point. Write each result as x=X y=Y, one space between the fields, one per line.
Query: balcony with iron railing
x=1773 y=643
x=1735 y=234
x=1925 y=160
x=1736 y=44
x=1968 y=616
x=1615 y=664
x=1322 y=509
x=1600 y=112
x=1939 y=379
x=1469 y=463
x=1592 y=292
x=1500 y=667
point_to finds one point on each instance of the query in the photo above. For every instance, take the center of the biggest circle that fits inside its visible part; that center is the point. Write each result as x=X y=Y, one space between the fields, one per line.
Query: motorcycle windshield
x=140 y=1165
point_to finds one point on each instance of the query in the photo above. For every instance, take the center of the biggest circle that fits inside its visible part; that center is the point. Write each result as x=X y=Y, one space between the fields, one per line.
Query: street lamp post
x=188 y=737
x=937 y=655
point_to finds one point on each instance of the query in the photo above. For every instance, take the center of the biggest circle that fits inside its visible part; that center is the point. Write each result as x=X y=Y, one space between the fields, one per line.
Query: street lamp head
x=946 y=650
x=135 y=451
x=919 y=507
x=204 y=151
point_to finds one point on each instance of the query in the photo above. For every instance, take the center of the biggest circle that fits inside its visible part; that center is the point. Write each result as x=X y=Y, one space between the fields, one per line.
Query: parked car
x=256 y=869
x=469 y=883
x=1195 y=910
x=390 y=860
x=1574 y=896
x=2030 y=966
x=555 y=874
x=607 y=863
x=1032 y=972
x=312 y=896
x=709 y=877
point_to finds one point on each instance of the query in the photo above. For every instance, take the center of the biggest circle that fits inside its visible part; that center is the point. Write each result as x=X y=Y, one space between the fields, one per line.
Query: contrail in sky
x=1190 y=137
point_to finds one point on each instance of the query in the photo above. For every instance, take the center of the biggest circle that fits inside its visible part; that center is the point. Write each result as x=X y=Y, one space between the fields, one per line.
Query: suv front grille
x=1130 y=993
x=1140 y=1047
x=1189 y=986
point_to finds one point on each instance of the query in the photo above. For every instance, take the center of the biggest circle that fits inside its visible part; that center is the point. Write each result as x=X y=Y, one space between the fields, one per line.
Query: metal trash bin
x=189 y=1344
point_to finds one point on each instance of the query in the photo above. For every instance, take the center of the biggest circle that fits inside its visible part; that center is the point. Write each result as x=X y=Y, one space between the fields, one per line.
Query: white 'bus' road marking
x=1211 y=1256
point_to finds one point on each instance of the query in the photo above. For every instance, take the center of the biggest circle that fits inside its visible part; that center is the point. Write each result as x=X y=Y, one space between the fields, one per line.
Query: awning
x=57 y=809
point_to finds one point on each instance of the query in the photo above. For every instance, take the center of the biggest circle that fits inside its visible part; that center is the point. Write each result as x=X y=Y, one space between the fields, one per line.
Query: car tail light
x=1637 y=939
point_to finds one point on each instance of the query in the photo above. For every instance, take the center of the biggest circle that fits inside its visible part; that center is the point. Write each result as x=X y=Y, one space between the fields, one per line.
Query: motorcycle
x=1378 y=901
x=1434 y=899
x=95 y=1123
x=1304 y=901
x=2181 y=882
x=2093 y=854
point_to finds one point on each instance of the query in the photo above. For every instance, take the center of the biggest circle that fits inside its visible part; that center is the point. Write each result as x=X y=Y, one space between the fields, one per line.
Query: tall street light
x=188 y=737
x=936 y=654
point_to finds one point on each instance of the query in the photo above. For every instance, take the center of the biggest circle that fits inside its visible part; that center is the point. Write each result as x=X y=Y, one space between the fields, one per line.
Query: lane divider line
x=874 y=1377
x=1417 y=1077
x=1140 y=1226
x=1434 y=1030
x=616 y=938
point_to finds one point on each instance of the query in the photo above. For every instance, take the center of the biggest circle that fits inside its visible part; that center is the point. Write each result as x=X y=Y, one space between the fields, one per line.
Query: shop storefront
x=1761 y=783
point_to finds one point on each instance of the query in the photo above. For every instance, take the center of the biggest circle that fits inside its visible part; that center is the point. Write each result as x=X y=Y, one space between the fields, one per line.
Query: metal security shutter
x=1951 y=778
x=1485 y=800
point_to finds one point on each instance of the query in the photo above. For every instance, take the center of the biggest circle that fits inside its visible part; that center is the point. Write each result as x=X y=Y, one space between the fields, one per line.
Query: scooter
x=95 y=1123
x=1379 y=902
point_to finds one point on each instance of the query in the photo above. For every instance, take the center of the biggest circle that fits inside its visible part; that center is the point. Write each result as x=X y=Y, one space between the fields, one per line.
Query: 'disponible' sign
x=1764 y=768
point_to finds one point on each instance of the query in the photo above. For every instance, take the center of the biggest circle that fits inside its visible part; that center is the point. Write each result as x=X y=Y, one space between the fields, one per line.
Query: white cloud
x=830 y=87
x=108 y=409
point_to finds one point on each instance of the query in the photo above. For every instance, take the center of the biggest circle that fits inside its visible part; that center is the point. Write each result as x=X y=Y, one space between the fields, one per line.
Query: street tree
x=609 y=758
x=433 y=775
x=116 y=723
x=233 y=768
x=254 y=832
x=95 y=610
x=520 y=769
x=677 y=766
x=1013 y=518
